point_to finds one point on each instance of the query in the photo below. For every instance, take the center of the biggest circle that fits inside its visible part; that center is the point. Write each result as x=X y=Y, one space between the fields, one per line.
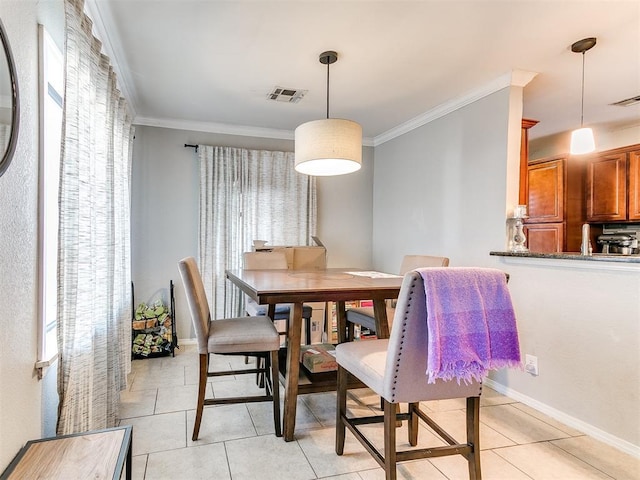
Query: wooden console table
x=99 y=454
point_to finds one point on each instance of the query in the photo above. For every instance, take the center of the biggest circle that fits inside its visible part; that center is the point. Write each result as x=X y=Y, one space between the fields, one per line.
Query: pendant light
x=582 y=139
x=332 y=146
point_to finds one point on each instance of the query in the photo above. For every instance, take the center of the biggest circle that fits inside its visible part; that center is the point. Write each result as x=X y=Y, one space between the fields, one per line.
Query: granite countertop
x=596 y=257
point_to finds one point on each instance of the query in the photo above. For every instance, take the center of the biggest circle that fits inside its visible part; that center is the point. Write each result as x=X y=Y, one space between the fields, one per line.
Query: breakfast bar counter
x=596 y=257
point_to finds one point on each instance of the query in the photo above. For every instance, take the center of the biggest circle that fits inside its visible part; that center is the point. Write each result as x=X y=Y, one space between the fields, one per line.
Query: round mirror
x=9 y=107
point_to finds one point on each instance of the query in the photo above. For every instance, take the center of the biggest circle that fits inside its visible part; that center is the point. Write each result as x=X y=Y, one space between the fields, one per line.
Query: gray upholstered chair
x=254 y=336
x=273 y=260
x=395 y=369
x=364 y=316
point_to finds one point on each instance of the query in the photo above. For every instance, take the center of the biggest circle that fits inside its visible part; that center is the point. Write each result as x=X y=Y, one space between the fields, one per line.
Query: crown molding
x=213 y=127
x=100 y=18
x=222 y=128
x=518 y=78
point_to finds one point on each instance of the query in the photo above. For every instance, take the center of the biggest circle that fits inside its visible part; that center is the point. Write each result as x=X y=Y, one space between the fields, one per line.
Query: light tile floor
x=237 y=442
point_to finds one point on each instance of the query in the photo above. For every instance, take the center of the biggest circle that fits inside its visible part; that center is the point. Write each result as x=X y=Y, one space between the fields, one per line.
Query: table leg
x=382 y=323
x=341 y=323
x=129 y=466
x=293 y=370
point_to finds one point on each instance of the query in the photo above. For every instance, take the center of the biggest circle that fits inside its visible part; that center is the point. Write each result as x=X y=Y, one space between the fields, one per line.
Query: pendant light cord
x=582 y=97
x=328 y=88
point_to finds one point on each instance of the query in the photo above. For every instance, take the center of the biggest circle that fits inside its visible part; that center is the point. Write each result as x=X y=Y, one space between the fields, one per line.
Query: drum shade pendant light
x=582 y=139
x=332 y=146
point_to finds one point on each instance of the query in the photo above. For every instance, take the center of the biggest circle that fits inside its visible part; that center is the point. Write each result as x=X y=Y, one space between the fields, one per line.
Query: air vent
x=287 y=95
x=628 y=102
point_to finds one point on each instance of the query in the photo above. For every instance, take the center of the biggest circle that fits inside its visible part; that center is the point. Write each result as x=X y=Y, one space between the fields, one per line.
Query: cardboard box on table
x=301 y=258
x=305 y=258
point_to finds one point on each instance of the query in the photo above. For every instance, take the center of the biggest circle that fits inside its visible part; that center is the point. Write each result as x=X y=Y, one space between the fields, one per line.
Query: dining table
x=295 y=287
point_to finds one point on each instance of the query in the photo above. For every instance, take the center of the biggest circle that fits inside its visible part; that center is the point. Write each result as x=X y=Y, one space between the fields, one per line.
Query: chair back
x=196 y=300
x=276 y=260
x=411 y=262
x=405 y=378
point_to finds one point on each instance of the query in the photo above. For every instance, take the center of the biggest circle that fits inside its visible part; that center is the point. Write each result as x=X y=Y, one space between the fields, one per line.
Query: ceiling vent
x=287 y=95
x=627 y=102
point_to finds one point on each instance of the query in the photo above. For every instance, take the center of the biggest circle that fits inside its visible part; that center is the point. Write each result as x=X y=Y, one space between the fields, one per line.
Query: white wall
x=165 y=209
x=583 y=324
x=441 y=189
x=21 y=396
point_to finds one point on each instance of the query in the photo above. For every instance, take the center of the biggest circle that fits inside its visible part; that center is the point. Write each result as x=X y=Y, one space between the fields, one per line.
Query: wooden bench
x=100 y=454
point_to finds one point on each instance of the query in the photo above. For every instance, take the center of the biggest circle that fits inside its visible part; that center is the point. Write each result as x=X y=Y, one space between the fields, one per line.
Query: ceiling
x=209 y=65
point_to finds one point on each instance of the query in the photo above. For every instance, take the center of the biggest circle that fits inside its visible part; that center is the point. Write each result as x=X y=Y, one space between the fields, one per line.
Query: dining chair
x=395 y=368
x=274 y=260
x=244 y=336
x=365 y=317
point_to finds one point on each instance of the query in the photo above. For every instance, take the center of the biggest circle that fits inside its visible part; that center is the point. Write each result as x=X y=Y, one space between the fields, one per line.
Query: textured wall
x=21 y=406
x=20 y=395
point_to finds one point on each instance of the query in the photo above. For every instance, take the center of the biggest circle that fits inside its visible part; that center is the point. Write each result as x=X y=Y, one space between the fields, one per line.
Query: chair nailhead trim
x=404 y=329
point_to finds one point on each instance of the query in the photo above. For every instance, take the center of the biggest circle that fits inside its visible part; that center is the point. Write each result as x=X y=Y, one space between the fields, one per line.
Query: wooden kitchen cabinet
x=606 y=187
x=634 y=185
x=524 y=157
x=545 y=190
x=554 y=193
x=545 y=237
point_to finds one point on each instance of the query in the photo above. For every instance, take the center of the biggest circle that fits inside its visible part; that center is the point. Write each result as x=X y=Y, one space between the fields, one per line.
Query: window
x=51 y=101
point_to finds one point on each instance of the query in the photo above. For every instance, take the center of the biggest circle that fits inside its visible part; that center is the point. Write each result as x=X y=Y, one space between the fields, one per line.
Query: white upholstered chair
x=254 y=336
x=364 y=315
x=395 y=369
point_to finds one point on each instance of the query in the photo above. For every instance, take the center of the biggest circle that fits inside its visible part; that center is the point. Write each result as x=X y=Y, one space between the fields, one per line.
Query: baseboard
x=188 y=341
x=620 y=444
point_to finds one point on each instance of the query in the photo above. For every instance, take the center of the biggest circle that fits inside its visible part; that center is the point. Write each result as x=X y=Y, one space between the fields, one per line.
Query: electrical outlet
x=531 y=364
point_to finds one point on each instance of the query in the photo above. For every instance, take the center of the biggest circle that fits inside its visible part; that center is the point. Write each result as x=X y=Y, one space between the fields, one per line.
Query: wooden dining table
x=296 y=287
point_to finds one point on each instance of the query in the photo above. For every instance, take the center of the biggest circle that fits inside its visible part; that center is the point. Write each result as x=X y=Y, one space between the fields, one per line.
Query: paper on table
x=372 y=274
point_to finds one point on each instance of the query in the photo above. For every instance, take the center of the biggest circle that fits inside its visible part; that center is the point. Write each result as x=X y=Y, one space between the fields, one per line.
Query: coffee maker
x=620 y=239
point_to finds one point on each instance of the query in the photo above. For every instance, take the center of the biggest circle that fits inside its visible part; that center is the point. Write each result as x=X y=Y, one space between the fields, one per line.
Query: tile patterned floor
x=237 y=442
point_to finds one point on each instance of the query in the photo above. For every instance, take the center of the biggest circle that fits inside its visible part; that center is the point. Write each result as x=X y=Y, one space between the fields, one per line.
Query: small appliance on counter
x=620 y=239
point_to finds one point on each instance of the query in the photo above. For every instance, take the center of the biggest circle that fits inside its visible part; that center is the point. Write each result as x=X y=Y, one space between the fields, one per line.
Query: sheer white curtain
x=94 y=291
x=247 y=195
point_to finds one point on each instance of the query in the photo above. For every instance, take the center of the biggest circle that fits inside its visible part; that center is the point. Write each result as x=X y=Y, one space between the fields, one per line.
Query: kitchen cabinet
x=524 y=157
x=545 y=237
x=554 y=194
x=607 y=188
x=613 y=186
x=545 y=191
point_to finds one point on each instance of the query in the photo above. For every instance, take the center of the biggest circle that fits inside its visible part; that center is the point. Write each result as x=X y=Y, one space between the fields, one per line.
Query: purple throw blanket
x=470 y=322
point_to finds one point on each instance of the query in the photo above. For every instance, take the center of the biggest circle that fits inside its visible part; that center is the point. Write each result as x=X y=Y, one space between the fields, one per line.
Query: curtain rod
x=186 y=145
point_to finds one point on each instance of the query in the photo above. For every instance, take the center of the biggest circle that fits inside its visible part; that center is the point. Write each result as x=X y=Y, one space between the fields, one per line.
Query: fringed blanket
x=470 y=322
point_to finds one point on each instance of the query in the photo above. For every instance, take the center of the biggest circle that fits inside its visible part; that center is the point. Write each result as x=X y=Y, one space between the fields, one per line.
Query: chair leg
x=341 y=408
x=202 y=387
x=473 y=437
x=413 y=424
x=389 y=440
x=307 y=328
x=275 y=392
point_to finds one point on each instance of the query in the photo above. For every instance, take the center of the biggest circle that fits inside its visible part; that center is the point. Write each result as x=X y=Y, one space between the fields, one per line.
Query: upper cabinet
x=545 y=191
x=524 y=157
x=612 y=186
x=606 y=188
